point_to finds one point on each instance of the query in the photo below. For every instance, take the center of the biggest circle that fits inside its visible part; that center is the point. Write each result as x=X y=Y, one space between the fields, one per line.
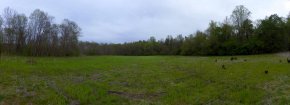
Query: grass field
x=161 y=80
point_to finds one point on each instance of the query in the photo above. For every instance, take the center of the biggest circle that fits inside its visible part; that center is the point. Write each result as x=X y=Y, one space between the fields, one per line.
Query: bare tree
x=54 y=40
x=39 y=30
x=240 y=18
x=14 y=31
x=20 y=30
x=239 y=15
x=9 y=29
x=1 y=35
x=70 y=32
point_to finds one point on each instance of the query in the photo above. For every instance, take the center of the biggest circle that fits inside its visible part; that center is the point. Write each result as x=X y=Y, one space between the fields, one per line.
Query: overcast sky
x=115 y=21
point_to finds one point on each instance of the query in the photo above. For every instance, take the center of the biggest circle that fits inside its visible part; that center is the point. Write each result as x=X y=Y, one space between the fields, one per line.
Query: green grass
x=162 y=80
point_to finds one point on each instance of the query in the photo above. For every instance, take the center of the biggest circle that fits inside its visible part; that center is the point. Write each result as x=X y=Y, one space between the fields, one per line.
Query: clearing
x=162 y=80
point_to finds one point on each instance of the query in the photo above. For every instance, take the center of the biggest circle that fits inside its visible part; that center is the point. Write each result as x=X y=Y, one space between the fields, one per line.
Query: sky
x=118 y=21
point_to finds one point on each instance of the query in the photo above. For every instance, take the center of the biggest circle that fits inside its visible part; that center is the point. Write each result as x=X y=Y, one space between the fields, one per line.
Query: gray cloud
x=130 y=20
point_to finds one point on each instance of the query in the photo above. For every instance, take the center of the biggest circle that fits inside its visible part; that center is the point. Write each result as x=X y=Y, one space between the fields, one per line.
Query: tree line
x=37 y=35
x=236 y=35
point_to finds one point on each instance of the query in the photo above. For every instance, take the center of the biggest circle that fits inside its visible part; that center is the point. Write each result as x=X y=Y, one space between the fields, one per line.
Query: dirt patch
x=137 y=96
x=61 y=92
x=95 y=77
x=125 y=84
x=82 y=78
x=276 y=90
x=22 y=91
x=31 y=61
x=284 y=54
x=78 y=79
x=75 y=102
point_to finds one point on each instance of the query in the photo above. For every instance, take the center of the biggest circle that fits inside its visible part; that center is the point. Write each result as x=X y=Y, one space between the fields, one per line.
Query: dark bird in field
x=288 y=60
x=266 y=72
x=223 y=67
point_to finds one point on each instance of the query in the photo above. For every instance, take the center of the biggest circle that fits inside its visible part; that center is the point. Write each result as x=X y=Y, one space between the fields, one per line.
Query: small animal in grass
x=266 y=71
x=234 y=58
x=288 y=60
x=223 y=67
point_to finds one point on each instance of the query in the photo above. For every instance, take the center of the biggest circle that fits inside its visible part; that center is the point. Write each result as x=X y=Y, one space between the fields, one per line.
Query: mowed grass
x=143 y=80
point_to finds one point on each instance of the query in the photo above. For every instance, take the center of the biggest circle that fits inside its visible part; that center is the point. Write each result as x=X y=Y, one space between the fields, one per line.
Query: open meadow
x=162 y=80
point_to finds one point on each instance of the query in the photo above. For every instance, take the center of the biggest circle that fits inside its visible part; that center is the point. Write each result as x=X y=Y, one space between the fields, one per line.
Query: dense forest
x=38 y=35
